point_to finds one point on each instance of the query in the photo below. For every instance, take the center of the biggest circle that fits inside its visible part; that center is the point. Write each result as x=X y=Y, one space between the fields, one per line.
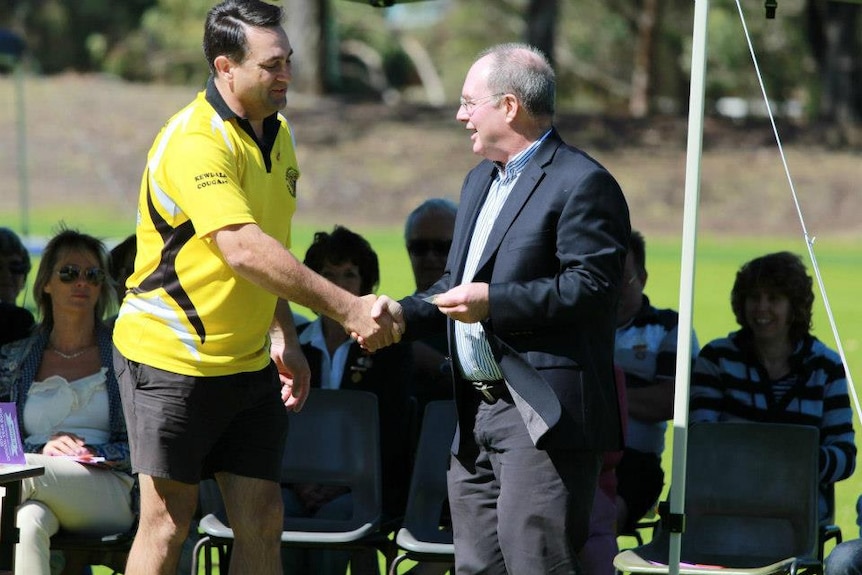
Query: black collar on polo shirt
x=270 y=123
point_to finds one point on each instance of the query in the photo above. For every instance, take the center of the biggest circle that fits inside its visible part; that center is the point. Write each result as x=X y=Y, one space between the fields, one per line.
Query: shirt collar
x=224 y=111
x=515 y=166
x=313 y=334
x=271 y=125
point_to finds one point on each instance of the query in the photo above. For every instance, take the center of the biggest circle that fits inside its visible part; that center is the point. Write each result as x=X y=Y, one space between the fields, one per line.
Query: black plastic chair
x=110 y=550
x=647 y=523
x=750 y=504
x=422 y=537
x=334 y=440
x=829 y=531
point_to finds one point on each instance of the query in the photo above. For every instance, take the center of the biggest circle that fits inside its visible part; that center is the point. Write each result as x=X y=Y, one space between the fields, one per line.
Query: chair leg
x=203 y=544
x=224 y=559
x=393 y=567
x=390 y=551
x=75 y=562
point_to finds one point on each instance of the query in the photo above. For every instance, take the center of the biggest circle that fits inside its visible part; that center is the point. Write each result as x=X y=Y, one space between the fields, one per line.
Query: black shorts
x=640 y=480
x=187 y=428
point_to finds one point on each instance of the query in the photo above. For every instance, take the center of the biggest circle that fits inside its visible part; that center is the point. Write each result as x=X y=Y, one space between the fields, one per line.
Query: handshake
x=375 y=322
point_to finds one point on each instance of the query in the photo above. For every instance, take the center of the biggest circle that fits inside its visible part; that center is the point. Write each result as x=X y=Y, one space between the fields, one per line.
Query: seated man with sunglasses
x=428 y=235
x=16 y=321
x=70 y=415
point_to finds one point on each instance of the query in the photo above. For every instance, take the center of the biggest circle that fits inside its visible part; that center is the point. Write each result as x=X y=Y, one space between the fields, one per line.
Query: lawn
x=717 y=259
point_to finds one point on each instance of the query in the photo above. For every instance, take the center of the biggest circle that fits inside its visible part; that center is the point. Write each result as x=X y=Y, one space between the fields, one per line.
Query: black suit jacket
x=554 y=263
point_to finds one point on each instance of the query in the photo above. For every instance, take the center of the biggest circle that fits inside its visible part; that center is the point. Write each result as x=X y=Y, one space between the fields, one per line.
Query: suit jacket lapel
x=527 y=183
x=472 y=201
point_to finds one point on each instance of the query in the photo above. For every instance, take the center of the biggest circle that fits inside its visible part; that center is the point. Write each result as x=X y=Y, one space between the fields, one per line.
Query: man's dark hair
x=122 y=258
x=345 y=246
x=637 y=247
x=11 y=245
x=224 y=31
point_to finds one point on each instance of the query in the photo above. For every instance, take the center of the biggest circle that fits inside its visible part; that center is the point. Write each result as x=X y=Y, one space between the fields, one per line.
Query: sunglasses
x=419 y=248
x=71 y=272
x=18 y=268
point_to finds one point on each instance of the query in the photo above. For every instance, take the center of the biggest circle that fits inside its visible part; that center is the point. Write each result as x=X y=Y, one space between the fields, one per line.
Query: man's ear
x=512 y=105
x=223 y=67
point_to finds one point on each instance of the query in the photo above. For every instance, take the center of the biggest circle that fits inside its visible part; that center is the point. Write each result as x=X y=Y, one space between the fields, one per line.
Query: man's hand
x=294 y=373
x=467 y=303
x=379 y=323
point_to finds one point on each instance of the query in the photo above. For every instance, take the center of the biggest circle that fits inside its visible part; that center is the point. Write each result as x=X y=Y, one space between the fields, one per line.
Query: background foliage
x=612 y=56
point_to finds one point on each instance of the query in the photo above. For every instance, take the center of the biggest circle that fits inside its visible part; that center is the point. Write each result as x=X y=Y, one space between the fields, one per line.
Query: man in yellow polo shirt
x=206 y=349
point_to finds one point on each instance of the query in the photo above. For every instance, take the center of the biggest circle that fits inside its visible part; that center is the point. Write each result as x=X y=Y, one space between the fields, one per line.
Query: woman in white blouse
x=69 y=411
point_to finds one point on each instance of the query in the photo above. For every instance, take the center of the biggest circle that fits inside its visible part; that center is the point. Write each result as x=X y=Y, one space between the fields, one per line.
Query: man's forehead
x=268 y=43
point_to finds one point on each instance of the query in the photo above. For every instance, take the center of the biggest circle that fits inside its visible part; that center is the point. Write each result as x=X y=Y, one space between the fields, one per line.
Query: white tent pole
x=686 y=283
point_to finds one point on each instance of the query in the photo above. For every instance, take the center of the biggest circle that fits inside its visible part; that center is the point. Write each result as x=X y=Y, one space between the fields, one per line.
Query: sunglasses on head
x=424 y=247
x=71 y=272
x=17 y=268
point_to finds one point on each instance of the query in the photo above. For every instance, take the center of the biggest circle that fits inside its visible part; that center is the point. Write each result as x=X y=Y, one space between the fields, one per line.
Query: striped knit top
x=730 y=384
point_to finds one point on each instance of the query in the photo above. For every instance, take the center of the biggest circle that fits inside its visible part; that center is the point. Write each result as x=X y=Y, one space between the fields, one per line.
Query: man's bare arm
x=293 y=369
x=261 y=259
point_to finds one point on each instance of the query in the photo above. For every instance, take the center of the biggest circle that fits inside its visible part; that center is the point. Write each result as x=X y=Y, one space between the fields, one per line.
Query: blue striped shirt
x=476 y=361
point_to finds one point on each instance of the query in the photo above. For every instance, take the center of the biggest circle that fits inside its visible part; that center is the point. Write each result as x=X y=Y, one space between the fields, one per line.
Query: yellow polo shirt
x=186 y=311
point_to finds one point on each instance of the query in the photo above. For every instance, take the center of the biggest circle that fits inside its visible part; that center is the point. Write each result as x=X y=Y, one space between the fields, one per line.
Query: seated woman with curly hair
x=774 y=370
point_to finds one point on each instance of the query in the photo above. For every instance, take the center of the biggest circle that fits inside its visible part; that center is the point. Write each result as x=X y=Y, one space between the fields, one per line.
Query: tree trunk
x=836 y=47
x=541 y=21
x=307 y=23
x=639 y=101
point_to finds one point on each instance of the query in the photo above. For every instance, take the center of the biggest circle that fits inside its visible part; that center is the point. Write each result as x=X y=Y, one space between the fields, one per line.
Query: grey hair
x=524 y=71
x=432 y=205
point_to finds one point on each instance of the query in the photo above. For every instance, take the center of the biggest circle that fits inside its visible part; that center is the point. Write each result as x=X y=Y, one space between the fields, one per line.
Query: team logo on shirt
x=290 y=177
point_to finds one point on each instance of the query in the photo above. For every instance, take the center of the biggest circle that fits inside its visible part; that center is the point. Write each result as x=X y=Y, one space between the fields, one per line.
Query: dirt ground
x=366 y=163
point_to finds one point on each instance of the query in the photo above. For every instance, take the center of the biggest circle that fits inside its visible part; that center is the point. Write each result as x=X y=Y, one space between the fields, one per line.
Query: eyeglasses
x=419 y=248
x=16 y=268
x=71 y=272
x=471 y=105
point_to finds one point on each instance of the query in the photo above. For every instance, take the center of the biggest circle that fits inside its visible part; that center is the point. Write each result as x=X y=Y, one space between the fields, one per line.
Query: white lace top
x=79 y=407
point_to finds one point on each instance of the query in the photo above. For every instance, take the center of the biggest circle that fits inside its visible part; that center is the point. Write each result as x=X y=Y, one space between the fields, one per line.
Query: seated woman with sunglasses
x=68 y=403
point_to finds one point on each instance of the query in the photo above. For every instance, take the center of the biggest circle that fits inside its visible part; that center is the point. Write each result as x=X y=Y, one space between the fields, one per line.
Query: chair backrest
x=751 y=493
x=335 y=440
x=428 y=495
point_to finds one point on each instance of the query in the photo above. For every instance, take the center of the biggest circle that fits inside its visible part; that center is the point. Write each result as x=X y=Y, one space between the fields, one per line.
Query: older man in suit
x=529 y=300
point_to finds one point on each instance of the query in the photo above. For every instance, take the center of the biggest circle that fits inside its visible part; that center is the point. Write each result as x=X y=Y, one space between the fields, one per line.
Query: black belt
x=491 y=390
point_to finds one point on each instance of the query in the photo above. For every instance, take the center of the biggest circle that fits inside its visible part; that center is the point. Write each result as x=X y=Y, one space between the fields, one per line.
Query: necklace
x=78 y=353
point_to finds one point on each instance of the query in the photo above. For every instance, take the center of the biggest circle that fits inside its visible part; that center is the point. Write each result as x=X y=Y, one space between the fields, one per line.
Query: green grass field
x=717 y=260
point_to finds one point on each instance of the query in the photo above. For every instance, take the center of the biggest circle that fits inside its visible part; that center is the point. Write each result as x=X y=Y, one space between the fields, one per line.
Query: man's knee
x=254 y=506
x=267 y=522
x=167 y=508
